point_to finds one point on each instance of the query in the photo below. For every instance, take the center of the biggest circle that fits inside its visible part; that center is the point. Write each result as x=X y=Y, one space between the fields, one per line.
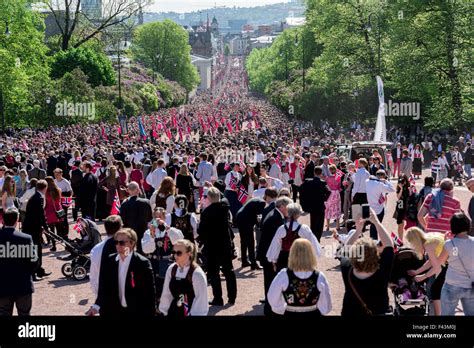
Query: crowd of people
x=173 y=188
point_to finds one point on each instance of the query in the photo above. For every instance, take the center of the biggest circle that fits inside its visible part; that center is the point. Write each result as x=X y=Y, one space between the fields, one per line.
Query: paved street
x=57 y=295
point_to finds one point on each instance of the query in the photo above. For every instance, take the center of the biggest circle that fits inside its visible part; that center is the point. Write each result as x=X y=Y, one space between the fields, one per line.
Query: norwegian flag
x=243 y=194
x=116 y=205
x=234 y=182
x=96 y=167
x=381 y=198
x=104 y=134
x=237 y=125
x=66 y=201
x=186 y=307
x=339 y=174
x=397 y=242
x=229 y=126
x=78 y=226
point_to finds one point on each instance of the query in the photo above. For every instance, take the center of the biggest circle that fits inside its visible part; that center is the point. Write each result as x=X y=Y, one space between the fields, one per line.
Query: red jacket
x=293 y=170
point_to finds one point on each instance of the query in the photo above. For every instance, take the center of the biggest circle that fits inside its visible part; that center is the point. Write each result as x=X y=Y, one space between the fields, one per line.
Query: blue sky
x=194 y=5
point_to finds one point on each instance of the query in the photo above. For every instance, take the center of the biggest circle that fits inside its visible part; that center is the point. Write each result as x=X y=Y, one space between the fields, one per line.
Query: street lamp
x=2 y=98
x=286 y=63
x=302 y=47
x=368 y=27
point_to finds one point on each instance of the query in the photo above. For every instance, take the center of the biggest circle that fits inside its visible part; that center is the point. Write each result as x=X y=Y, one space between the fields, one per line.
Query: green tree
x=23 y=61
x=163 y=47
x=94 y=63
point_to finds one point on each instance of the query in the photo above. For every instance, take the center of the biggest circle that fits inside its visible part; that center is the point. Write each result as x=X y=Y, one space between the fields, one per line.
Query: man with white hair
x=37 y=172
x=286 y=234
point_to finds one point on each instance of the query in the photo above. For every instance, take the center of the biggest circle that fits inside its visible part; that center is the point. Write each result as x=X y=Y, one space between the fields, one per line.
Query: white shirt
x=96 y=259
x=304 y=232
x=359 y=178
x=280 y=284
x=200 y=306
x=275 y=171
x=155 y=178
x=26 y=196
x=64 y=185
x=375 y=189
x=259 y=157
x=122 y=276
x=228 y=178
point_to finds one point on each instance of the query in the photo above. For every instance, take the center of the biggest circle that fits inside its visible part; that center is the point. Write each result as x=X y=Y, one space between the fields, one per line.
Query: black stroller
x=80 y=264
x=410 y=297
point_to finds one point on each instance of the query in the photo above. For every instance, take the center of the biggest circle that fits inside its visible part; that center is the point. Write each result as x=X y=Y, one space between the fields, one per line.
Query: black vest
x=183 y=293
x=301 y=292
x=183 y=223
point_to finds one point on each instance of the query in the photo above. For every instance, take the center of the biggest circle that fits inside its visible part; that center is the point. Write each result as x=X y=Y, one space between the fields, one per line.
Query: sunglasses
x=121 y=242
x=177 y=252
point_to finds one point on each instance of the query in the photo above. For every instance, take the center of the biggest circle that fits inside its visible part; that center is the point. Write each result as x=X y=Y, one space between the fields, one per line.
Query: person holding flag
x=141 y=128
x=232 y=181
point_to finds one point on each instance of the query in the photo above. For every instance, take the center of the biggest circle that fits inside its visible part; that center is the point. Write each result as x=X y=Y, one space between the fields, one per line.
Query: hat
x=175 y=235
x=470 y=183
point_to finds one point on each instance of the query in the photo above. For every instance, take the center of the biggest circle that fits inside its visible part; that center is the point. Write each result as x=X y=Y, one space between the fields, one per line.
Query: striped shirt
x=450 y=207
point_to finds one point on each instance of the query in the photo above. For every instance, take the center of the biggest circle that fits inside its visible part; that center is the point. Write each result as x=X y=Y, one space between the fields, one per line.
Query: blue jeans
x=467 y=169
x=451 y=295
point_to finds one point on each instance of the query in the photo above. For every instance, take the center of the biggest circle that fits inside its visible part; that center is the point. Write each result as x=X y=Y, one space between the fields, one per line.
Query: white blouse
x=200 y=306
x=304 y=232
x=280 y=284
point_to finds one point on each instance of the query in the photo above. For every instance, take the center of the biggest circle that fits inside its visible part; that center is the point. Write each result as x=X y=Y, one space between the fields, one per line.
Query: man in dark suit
x=397 y=158
x=245 y=221
x=126 y=285
x=309 y=168
x=37 y=172
x=214 y=233
x=15 y=272
x=51 y=163
x=100 y=253
x=271 y=194
x=313 y=193
x=76 y=178
x=88 y=192
x=273 y=220
x=136 y=212
x=35 y=223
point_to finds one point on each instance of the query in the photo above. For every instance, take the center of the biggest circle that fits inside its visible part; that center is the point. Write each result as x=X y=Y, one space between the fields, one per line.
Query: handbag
x=361 y=301
x=60 y=213
x=462 y=264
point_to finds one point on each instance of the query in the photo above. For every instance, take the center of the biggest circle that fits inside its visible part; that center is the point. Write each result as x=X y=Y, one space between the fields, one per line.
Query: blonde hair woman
x=8 y=194
x=300 y=289
x=433 y=270
x=185 y=287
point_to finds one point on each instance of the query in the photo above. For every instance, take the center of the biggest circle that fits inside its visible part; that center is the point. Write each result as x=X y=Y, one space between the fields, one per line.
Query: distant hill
x=267 y=14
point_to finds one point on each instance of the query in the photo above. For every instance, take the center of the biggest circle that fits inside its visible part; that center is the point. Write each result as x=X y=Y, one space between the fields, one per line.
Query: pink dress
x=333 y=204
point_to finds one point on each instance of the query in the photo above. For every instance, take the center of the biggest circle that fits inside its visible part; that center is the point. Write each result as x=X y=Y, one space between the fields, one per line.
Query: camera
x=365 y=211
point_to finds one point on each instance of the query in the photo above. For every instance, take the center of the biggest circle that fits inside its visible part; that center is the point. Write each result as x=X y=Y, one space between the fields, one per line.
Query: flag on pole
x=141 y=128
x=104 y=134
x=380 y=127
x=116 y=205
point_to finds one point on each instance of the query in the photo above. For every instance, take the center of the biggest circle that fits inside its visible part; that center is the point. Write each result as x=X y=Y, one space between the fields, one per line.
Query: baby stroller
x=80 y=264
x=410 y=297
